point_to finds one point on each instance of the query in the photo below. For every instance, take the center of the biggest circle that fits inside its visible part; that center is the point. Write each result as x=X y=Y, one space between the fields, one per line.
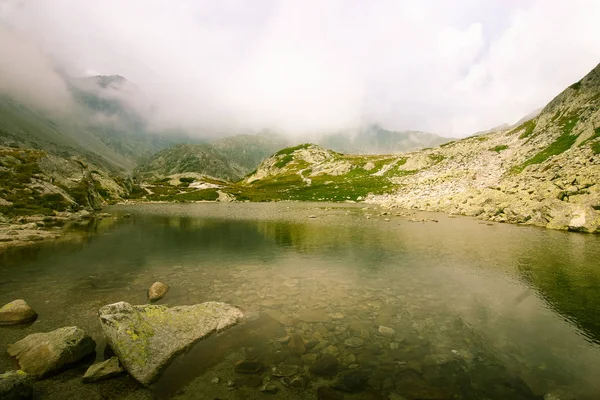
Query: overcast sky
x=450 y=67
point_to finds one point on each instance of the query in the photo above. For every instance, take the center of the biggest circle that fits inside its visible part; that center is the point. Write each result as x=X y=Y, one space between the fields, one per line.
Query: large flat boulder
x=40 y=354
x=146 y=338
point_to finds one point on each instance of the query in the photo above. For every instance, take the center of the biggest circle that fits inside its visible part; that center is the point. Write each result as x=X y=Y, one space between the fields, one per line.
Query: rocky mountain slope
x=373 y=139
x=229 y=158
x=544 y=172
x=104 y=124
x=39 y=182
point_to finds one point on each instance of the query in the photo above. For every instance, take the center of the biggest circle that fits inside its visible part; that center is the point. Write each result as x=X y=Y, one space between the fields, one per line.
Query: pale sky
x=449 y=67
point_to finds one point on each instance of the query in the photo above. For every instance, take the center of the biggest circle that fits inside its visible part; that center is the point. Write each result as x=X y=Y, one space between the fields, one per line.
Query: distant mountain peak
x=112 y=81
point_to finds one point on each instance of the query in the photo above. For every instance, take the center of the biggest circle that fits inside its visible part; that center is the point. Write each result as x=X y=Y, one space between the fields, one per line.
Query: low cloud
x=303 y=67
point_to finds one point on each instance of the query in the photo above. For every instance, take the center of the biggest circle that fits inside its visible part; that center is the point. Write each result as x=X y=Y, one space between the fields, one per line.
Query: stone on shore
x=40 y=354
x=17 y=312
x=15 y=385
x=103 y=370
x=146 y=338
x=157 y=291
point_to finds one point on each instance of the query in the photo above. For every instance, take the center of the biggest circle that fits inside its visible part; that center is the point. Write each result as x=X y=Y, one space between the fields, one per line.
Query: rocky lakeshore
x=145 y=339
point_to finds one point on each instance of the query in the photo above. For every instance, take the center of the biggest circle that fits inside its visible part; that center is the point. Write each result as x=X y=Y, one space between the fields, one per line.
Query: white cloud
x=309 y=66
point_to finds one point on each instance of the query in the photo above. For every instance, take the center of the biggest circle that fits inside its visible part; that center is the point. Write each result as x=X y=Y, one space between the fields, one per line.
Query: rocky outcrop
x=146 y=338
x=41 y=354
x=157 y=291
x=103 y=370
x=15 y=385
x=17 y=312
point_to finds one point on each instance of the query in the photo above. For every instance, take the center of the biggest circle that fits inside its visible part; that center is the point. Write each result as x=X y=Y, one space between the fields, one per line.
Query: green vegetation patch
x=576 y=85
x=285 y=160
x=436 y=158
x=499 y=148
x=594 y=136
x=560 y=145
x=596 y=147
x=290 y=150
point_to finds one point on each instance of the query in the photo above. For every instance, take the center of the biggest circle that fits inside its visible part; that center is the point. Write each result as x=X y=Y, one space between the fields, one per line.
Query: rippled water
x=479 y=311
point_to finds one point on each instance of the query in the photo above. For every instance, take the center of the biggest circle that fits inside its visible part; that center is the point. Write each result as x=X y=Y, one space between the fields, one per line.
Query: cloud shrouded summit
x=310 y=66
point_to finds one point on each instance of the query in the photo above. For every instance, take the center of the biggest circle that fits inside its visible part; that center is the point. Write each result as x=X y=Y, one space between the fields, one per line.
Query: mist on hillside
x=299 y=68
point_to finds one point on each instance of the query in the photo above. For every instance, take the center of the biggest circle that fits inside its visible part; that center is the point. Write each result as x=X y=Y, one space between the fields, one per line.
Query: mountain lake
x=449 y=308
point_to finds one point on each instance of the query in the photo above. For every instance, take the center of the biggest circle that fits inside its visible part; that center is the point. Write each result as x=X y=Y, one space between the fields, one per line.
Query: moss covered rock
x=146 y=338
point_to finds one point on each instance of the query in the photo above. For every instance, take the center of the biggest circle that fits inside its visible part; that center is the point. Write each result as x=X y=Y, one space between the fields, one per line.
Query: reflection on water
x=475 y=311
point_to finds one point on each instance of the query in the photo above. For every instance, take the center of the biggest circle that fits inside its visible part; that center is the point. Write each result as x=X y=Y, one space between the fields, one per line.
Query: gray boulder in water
x=40 y=354
x=15 y=385
x=146 y=338
x=16 y=312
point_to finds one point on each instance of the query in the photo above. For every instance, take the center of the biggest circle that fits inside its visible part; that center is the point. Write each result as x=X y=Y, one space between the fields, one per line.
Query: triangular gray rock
x=146 y=338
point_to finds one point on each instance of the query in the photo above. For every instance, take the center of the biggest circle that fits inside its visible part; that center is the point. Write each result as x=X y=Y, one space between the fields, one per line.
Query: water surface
x=479 y=311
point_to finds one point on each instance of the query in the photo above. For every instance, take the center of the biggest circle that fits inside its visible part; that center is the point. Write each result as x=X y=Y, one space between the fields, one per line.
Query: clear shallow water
x=479 y=311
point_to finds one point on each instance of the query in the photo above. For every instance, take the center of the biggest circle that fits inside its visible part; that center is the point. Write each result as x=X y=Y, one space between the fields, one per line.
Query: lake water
x=478 y=311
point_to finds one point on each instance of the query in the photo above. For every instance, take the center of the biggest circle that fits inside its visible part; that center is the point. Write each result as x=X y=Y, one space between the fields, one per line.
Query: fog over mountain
x=301 y=68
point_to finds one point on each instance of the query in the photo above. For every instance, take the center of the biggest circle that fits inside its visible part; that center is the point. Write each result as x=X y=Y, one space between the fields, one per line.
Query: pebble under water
x=342 y=302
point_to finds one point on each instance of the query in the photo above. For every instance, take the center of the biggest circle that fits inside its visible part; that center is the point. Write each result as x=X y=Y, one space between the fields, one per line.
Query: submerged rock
x=327 y=365
x=354 y=342
x=284 y=370
x=353 y=381
x=146 y=338
x=296 y=345
x=157 y=291
x=313 y=316
x=17 y=312
x=103 y=370
x=15 y=385
x=247 y=367
x=328 y=393
x=387 y=332
x=40 y=354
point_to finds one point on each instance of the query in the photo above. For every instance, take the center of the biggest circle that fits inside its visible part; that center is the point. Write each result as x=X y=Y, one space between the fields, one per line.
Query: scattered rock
x=146 y=338
x=387 y=332
x=17 y=312
x=269 y=388
x=126 y=215
x=284 y=370
x=299 y=382
x=354 y=342
x=215 y=380
x=103 y=370
x=353 y=381
x=280 y=317
x=157 y=291
x=313 y=316
x=15 y=385
x=327 y=365
x=332 y=350
x=296 y=345
x=312 y=216
x=40 y=354
x=328 y=393
x=247 y=367
x=249 y=381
